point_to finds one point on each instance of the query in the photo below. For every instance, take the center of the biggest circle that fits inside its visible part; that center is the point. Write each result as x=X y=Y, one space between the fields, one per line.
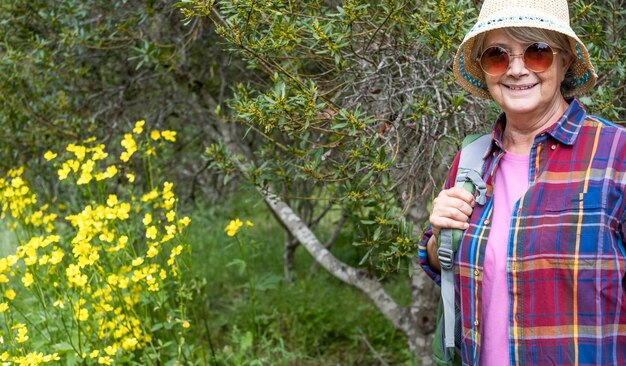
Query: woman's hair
x=556 y=40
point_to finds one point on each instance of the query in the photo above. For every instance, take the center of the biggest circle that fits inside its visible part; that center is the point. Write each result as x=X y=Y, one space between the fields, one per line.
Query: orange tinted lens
x=494 y=61
x=538 y=57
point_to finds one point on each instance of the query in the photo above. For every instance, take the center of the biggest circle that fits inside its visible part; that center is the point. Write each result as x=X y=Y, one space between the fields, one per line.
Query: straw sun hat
x=546 y=14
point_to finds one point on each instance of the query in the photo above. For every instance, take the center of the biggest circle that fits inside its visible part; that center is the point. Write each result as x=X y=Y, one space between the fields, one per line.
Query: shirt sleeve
x=421 y=246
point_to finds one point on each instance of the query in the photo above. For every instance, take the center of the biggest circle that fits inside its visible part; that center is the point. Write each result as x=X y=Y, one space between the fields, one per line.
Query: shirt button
x=476 y=322
x=476 y=272
x=487 y=222
x=553 y=147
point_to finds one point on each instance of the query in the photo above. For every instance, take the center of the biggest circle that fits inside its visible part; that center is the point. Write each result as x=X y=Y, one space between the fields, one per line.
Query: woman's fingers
x=452 y=209
x=446 y=223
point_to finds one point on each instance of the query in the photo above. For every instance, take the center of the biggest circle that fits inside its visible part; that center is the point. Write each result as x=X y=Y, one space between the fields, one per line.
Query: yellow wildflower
x=82 y=314
x=151 y=232
x=147 y=219
x=139 y=126
x=130 y=177
x=150 y=195
x=232 y=227
x=184 y=222
x=249 y=223
x=169 y=135
x=27 y=280
x=98 y=153
x=130 y=145
x=105 y=360
x=122 y=241
x=170 y=215
x=4 y=307
x=56 y=256
x=49 y=155
x=186 y=324
x=130 y=344
x=123 y=211
x=85 y=173
x=9 y=294
x=112 y=279
x=152 y=252
x=110 y=172
x=122 y=282
x=78 y=150
x=74 y=276
x=112 y=200
x=155 y=135
x=21 y=333
x=176 y=251
x=64 y=171
x=52 y=357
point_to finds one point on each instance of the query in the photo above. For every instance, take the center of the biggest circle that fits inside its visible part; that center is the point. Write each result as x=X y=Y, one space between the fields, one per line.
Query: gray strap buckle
x=446 y=257
x=445 y=252
x=473 y=177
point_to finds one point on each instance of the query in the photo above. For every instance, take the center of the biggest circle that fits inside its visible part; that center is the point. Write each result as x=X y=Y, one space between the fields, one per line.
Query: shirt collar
x=565 y=130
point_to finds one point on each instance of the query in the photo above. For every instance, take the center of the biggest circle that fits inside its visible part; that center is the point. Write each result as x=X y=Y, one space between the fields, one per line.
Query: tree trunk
x=289 y=256
x=402 y=318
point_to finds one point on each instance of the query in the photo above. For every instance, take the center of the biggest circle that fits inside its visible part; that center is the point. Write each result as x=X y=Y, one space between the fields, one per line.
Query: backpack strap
x=469 y=176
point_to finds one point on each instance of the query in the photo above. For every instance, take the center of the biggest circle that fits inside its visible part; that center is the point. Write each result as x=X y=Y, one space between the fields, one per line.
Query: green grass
x=315 y=320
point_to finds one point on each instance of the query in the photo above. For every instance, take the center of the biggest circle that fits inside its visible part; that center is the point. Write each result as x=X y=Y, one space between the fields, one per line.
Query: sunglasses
x=537 y=57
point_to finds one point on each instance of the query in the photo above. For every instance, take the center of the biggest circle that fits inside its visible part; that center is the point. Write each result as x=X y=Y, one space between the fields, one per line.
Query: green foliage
x=74 y=69
x=347 y=107
x=602 y=27
x=315 y=321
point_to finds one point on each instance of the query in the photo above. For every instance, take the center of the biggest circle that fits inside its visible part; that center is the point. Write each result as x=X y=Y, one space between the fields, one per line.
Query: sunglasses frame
x=511 y=56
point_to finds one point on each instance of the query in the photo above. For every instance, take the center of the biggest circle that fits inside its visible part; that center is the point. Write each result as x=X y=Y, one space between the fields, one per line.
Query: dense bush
x=94 y=280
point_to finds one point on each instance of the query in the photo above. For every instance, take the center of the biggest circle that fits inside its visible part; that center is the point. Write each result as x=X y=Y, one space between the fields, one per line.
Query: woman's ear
x=566 y=60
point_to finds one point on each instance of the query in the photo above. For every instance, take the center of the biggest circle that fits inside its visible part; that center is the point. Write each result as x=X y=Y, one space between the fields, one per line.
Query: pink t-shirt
x=510 y=183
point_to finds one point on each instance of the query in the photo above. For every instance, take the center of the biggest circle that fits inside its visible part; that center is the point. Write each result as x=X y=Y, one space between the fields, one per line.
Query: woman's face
x=522 y=91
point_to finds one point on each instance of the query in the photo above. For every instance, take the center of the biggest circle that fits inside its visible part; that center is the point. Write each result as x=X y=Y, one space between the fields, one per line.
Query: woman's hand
x=451 y=210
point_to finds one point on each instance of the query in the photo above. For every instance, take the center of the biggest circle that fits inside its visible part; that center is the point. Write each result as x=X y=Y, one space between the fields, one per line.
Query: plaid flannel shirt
x=566 y=258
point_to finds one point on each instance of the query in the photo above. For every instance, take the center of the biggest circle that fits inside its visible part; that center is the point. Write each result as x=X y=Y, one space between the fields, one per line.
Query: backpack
x=447 y=341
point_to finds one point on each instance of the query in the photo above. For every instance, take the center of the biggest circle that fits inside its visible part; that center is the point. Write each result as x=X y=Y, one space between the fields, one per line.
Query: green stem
x=251 y=286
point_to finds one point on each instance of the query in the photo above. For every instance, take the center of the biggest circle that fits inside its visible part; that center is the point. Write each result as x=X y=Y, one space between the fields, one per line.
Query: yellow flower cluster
x=33 y=358
x=109 y=259
x=130 y=145
x=165 y=135
x=83 y=164
x=15 y=194
x=234 y=225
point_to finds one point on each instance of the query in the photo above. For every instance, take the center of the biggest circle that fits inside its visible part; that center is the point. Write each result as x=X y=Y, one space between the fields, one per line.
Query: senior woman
x=540 y=269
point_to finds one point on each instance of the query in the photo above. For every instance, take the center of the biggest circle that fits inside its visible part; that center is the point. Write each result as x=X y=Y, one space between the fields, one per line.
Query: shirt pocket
x=571 y=223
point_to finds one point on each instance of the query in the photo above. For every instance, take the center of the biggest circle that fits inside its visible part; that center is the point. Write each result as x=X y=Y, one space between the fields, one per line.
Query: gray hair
x=556 y=40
